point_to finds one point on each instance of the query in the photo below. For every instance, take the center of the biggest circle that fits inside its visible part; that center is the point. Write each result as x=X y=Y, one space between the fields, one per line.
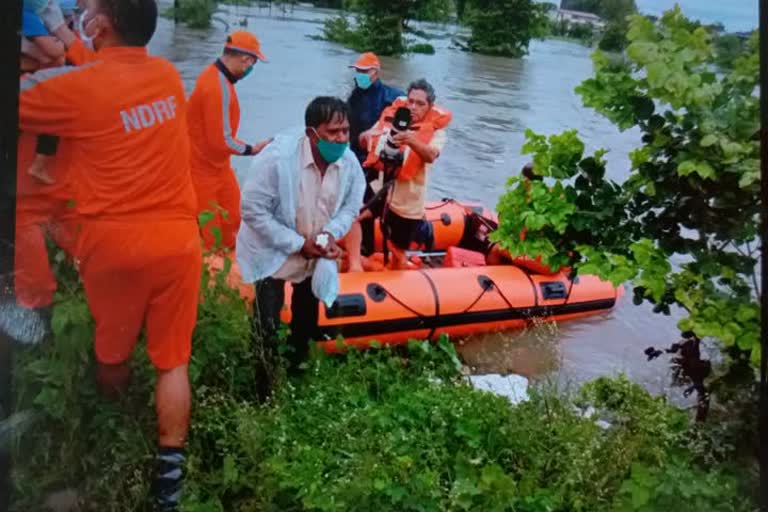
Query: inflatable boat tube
x=392 y=307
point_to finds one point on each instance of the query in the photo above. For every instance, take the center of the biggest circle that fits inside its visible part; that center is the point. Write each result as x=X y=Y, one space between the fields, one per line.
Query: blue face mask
x=362 y=80
x=247 y=72
x=330 y=151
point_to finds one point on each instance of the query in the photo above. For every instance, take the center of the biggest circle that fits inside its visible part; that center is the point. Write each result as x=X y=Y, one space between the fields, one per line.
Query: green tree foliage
x=434 y=10
x=195 y=13
x=617 y=10
x=614 y=38
x=504 y=27
x=380 y=25
x=728 y=48
x=693 y=191
x=461 y=8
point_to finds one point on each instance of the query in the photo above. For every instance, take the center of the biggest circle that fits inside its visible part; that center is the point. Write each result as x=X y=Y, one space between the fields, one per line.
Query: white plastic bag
x=325 y=281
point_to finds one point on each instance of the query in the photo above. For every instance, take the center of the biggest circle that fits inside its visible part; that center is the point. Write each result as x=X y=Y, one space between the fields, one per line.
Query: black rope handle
x=401 y=303
x=475 y=301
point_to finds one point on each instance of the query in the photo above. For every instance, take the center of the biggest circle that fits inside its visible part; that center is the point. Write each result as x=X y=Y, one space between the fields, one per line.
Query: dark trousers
x=270 y=296
x=47 y=144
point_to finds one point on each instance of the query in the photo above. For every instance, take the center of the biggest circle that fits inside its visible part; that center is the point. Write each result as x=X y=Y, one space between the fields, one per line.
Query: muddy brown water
x=493 y=100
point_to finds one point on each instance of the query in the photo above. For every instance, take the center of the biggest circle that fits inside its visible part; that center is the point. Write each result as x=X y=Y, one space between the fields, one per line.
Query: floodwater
x=493 y=100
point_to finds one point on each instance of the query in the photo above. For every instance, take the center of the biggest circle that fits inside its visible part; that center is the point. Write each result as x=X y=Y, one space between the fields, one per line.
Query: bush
x=422 y=48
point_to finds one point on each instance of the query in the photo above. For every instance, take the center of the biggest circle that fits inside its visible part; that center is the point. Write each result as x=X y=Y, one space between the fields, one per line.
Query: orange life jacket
x=437 y=118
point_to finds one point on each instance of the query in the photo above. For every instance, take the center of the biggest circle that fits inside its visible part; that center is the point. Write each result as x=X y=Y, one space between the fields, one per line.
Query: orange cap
x=368 y=60
x=245 y=42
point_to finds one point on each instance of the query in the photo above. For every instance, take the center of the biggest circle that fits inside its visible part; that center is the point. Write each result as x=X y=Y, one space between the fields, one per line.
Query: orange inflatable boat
x=453 y=292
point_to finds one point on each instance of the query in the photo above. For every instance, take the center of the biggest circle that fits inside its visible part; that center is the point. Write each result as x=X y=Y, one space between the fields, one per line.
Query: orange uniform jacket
x=78 y=54
x=138 y=243
x=213 y=117
x=125 y=114
x=44 y=210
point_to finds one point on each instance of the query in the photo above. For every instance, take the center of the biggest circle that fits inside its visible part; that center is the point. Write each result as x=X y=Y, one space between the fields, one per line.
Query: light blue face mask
x=330 y=151
x=363 y=80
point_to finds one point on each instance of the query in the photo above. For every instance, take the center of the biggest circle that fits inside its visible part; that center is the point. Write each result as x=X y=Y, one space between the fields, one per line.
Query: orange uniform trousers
x=138 y=275
x=42 y=211
x=218 y=192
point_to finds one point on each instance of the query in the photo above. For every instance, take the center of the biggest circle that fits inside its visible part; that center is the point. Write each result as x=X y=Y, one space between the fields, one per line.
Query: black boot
x=165 y=493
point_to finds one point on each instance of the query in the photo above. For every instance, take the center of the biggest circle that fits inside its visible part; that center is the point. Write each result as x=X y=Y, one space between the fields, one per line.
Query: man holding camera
x=302 y=195
x=420 y=141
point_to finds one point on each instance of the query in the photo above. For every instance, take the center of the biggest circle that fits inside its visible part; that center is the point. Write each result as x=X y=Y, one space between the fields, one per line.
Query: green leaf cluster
x=692 y=195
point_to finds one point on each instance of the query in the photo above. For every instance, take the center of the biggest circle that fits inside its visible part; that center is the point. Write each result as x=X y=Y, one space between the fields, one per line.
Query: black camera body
x=390 y=154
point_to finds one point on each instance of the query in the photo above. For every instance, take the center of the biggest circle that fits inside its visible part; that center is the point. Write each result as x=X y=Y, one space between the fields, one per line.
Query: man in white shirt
x=302 y=195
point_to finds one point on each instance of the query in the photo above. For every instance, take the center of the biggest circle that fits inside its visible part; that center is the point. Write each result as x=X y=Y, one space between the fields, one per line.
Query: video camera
x=390 y=154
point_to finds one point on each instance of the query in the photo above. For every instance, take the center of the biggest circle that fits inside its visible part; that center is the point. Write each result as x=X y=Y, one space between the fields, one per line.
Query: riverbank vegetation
x=692 y=196
x=503 y=28
x=379 y=430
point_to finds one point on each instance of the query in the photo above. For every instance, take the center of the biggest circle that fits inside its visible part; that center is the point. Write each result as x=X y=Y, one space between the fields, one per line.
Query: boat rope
x=504 y=297
x=436 y=297
x=475 y=301
x=401 y=303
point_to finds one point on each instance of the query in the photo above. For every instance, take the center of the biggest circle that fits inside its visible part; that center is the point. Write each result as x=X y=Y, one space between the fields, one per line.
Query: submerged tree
x=693 y=191
x=380 y=25
x=504 y=27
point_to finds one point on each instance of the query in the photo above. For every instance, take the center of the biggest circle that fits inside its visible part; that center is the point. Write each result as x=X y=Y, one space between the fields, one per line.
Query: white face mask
x=87 y=40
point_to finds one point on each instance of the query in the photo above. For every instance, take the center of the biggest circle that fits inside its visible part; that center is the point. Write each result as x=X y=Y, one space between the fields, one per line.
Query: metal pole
x=764 y=254
x=10 y=32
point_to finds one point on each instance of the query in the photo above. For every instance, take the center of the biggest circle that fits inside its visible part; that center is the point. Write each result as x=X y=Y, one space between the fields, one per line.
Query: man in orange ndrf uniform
x=138 y=246
x=213 y=117
x=43 y=208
